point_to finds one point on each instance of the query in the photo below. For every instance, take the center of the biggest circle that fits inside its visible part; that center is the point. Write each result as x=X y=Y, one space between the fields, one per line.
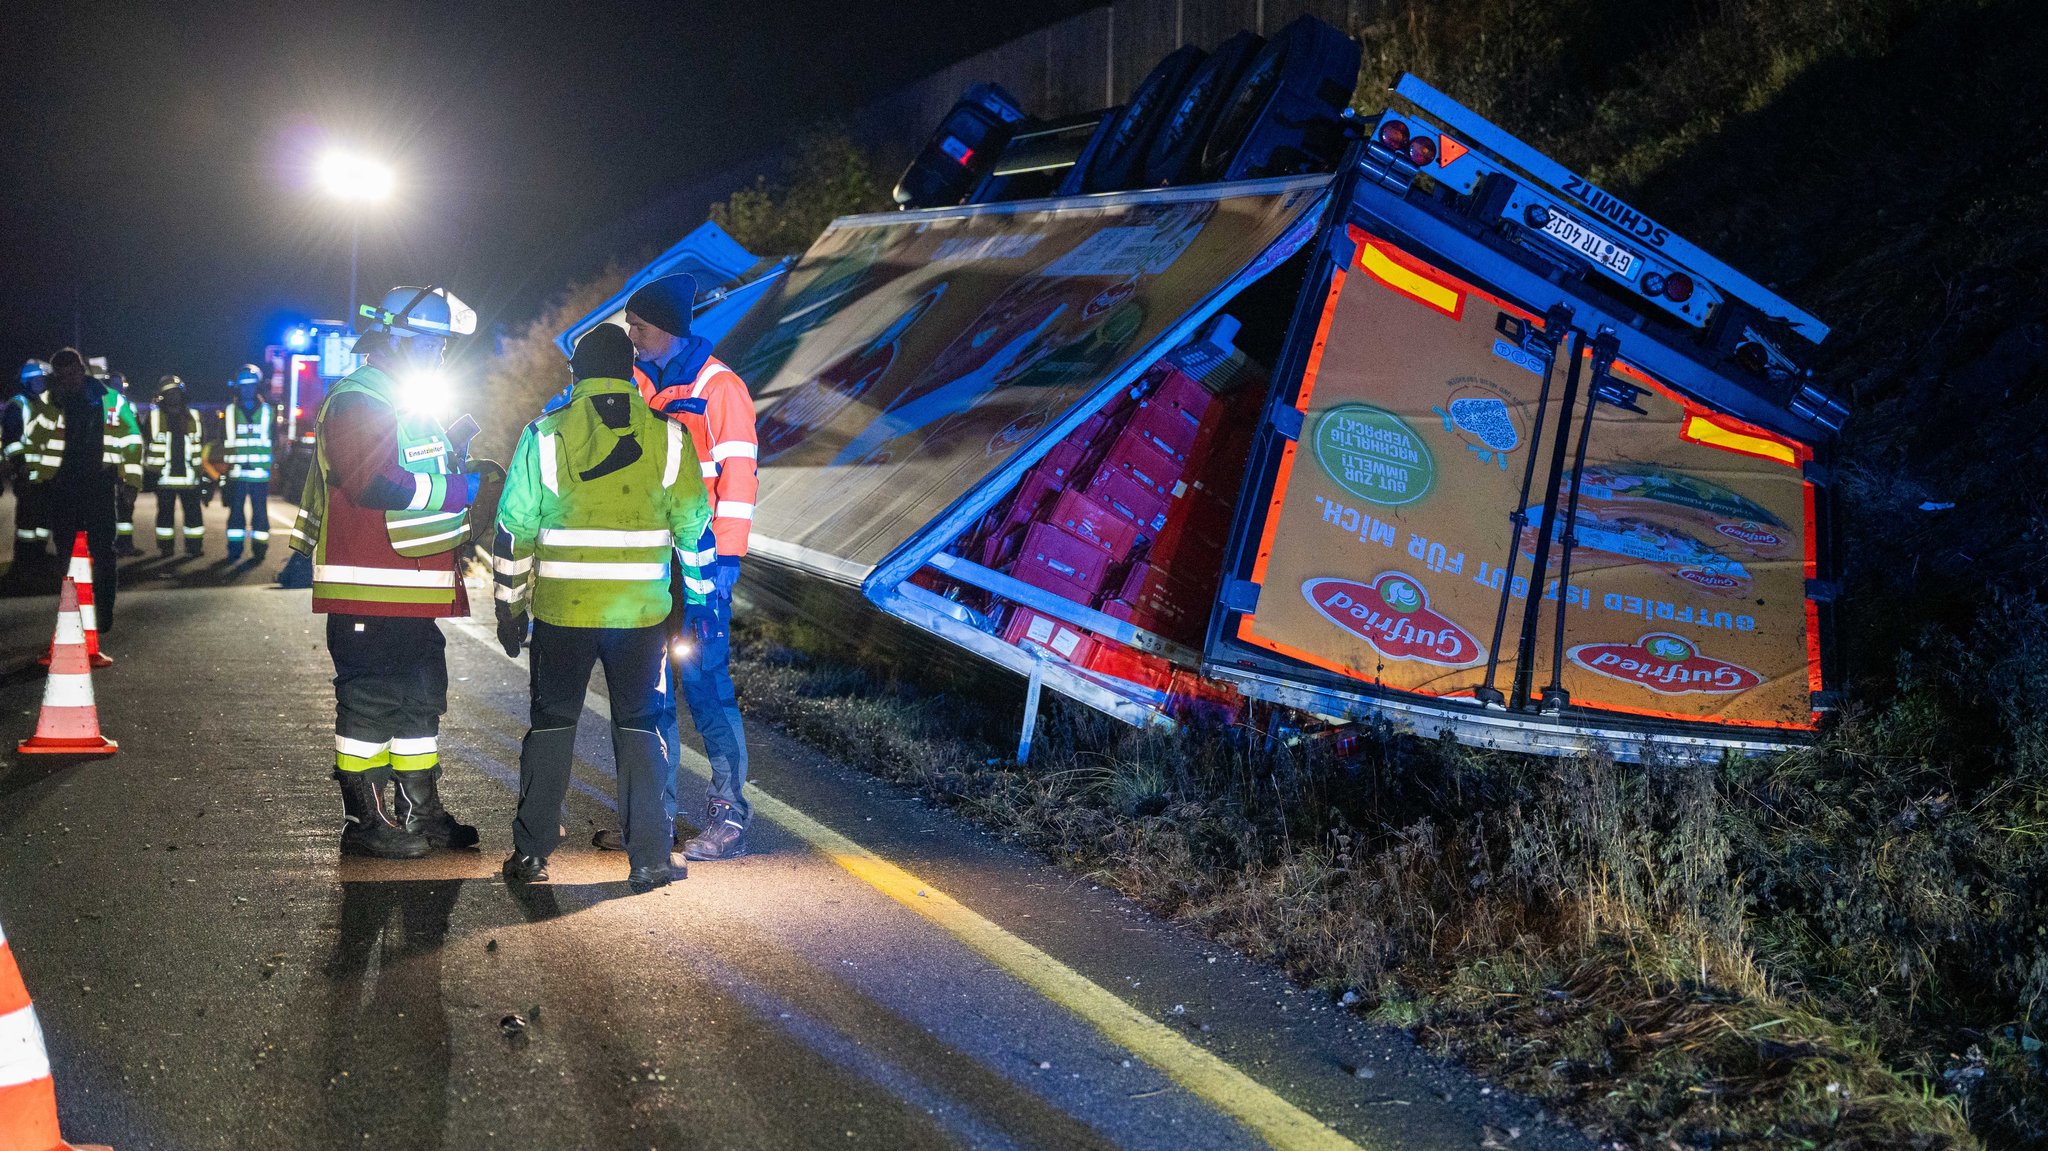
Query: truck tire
x=1175 y=154
x=1119 y=163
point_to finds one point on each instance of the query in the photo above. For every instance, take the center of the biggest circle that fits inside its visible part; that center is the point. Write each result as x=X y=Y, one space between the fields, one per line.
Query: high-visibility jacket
x=718 y=412
x=120 y=437
x=15 y=421
x=246 y=446
x=599 y=495
x=172 y=472
x=312 y=508
x=395 y=509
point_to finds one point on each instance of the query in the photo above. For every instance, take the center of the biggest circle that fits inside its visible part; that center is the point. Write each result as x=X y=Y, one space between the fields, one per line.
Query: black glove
x=297 y=572
x=512 y=632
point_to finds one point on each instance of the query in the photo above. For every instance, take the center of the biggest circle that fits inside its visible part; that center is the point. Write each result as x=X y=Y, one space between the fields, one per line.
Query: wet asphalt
x=210 y=973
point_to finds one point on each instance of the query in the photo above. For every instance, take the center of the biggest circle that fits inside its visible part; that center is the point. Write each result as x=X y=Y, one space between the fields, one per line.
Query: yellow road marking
x=1280 y=1123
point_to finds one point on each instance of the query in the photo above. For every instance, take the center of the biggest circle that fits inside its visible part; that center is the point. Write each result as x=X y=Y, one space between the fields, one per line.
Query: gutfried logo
x=1393 y=615
x=1717 y=581
x=1666 y=664
x=1751 y=533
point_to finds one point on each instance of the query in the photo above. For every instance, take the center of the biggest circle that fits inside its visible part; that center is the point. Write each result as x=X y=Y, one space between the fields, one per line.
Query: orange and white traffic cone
x=70 y=723
x=28 y=1096
x=81 y=574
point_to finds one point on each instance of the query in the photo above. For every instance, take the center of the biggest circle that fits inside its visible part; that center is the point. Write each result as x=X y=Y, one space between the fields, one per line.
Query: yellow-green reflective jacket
x=600 y=494
x=120 y=443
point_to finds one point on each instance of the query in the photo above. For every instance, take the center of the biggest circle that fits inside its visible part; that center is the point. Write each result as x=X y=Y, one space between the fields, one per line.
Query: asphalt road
x=210 y=973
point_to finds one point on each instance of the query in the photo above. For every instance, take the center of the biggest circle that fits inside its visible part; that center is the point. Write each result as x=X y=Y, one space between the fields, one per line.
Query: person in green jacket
x=599 y=495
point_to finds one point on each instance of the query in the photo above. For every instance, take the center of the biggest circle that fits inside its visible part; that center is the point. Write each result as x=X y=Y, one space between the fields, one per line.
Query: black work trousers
x=560 y=660
x=168 y=501
x=390 y=691
x=87 y=507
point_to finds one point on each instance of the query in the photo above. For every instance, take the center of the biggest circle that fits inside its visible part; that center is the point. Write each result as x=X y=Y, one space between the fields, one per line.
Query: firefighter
x=31 y=529
x=126 y=496
x=599 y=494
x=246 y=448
x=85 y=442
x=175 y=464
x=679 y=377
x=395 y=497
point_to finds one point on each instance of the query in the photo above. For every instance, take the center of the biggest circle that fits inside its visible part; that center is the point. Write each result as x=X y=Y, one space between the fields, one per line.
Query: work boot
x=642 y=880
x=234 y=553
x=725 y=838
x=194 y=547
x=125 y=547
x=419 y=803
x=258 y=550
x=370 y=829
x=164 y=548
x=524 y=868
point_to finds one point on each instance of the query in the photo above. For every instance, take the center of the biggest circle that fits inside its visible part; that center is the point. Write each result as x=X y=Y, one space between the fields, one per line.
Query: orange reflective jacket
x=722 y=428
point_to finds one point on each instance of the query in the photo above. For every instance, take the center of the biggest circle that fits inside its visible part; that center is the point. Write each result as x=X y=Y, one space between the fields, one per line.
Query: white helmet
x=409 y=311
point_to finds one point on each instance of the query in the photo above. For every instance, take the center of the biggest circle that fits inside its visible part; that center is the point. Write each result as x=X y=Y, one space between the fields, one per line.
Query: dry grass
x=1576 y=928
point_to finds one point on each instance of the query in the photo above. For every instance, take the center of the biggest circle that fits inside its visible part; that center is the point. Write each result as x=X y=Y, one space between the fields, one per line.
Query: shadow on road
x=386 y=1040
x=540 y=902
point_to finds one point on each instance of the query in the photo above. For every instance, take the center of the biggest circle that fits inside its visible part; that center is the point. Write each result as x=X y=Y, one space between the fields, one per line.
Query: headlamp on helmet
x=410 y=311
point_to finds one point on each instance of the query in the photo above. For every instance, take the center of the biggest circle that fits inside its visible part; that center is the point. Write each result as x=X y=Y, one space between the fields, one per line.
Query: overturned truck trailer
x=1449 y=437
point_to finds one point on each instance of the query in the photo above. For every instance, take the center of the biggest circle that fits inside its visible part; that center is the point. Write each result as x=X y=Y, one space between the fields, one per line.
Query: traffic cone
x=81 y=574
x=70 y=723
x=28 y=1097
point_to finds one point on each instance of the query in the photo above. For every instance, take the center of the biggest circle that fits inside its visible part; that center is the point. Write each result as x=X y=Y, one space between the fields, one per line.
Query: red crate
x=1091 y=429
x=1173 y=386
x=1083 y=517
x=1130 y=499
x=1160 y=603
x=1144 y=463
x=1065 y=458
x=1063 y=564
x=1033 y=630
x=1167 y=426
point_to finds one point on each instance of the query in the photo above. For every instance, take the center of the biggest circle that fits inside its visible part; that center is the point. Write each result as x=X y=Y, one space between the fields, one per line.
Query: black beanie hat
x=666 y=302
x=604 y=353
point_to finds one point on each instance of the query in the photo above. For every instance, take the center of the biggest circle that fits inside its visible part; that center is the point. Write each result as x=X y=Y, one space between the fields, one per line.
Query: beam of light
x=355 y=178
x=426 y=391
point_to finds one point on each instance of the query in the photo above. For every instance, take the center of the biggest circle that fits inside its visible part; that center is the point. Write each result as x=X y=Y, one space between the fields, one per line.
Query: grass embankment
x=1842 y=947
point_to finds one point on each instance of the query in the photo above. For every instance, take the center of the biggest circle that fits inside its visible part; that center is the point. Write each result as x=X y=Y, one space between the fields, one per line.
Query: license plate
x=1590 y=244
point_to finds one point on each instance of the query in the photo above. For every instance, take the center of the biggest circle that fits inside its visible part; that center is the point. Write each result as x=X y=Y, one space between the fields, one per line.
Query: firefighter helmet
x=169 y=384
x=250 y=376
x=410 y=311
x=35 y=375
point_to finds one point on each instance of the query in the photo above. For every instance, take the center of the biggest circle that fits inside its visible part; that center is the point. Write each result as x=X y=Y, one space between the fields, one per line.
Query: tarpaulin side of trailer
x=911 y=356
x=1386 y=530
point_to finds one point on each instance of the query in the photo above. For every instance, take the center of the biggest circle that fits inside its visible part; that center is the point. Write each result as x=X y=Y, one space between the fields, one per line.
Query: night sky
x=158 y=175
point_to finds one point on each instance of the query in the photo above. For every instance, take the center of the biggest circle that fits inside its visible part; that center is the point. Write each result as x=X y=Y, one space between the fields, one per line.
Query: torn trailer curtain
x=913 y=364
